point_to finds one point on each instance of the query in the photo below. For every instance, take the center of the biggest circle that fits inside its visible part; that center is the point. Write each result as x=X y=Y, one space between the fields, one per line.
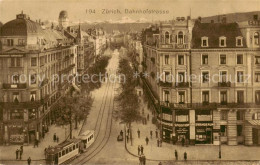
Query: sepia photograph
x=129 y=82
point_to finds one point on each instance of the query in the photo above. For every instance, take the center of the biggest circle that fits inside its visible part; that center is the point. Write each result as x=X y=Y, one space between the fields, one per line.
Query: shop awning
x=254 y=122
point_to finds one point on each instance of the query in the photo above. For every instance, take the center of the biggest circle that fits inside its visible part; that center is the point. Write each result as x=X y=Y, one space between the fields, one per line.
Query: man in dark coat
x=158 y=143
x=151 y=134
x=139 y=149
x=121 y=133
x=17 y=153
x=176 y=155
x=142 y=149
x=29 y=161
x=144 y=160
x=138 y=132
x=21 y=153
x=140 y=160
x=185 y=156
x=54 y=137
x=156 y=133
x=146 y=140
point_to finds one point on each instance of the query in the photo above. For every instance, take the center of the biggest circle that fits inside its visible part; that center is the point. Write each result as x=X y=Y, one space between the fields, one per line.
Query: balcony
x=20 y=105
x=165 y=84
x=181 y=46
x=224 y=84
x=14 y=86
x=166 y=46
x=182 y=84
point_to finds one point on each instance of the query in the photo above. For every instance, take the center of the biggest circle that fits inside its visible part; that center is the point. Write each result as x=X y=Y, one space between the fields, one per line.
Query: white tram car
x=69 y=149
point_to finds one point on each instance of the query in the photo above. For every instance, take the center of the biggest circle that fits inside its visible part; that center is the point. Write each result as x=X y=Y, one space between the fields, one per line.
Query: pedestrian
x=160 y=163
x=17 y=152
x=148 y=117
x=138 y=132
x=54 y=137
x=37 y=142
x=140 y=160
x=45 y=152
x=128 y=131
x=185 y=156
x=143 y=111
x=21 y=149
x=151 y=134
x=146 y=140
x=57 y=139
x=139 y=149
x=21 y=153
x=144 y=160
x=182 y=141
x=29 y=161
x=176 y=155
x=142 y=149
x=127 y=138
x=158 y=143
x=156 y=133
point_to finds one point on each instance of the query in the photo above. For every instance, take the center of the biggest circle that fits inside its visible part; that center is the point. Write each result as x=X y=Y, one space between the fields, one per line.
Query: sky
x=49 y=9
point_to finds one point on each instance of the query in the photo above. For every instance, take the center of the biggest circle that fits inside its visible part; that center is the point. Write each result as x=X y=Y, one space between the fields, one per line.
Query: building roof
x=63 y=14
x=21 y=26
x=213 y=31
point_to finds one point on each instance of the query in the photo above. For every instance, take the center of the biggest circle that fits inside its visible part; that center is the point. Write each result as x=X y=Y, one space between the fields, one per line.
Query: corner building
x=207 y=91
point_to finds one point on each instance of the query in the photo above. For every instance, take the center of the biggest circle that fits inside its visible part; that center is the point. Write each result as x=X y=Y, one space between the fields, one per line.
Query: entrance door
x=255 y=136
x=209 y=136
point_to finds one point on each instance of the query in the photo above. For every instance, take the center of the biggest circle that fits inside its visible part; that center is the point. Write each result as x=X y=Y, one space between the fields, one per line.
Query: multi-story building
x=32 y=59
x=204 y=81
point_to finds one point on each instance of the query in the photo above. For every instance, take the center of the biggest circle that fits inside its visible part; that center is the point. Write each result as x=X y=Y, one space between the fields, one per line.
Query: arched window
x=256 y=38
x=167 y=37
x=180 y=38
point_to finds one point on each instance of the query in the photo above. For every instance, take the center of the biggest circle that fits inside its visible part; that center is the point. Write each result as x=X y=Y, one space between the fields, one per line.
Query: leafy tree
x=128 y=102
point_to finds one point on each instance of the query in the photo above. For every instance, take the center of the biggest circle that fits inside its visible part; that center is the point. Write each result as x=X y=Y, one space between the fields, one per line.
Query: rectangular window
x=166 y=96
x=222 y=42
x=33 y=96
x=223 y=115
x=223 y=130
x=181 y=97
x=240 y=77
x=257 y=76
x=16 y=97
x=33 y=78
x=240 y=97
x=223 y=59
x=10 y=42
x=257 y=97
x=205 y=97
x=18 y=62
x=223 y=76
x=239 y=59
x=21 y=42
x=240 y=115
x=32 y=114
x=205 y=59
x=16 y=114
x=167 y=77
x=166 y=59
x=205 y=77
x=180 y=60
x=257 y=59
x=181 y=77
x=204 y=42
x=12 y=62
x=223 y=97
x=239 y=130
x=33 y=61
x=239 y=41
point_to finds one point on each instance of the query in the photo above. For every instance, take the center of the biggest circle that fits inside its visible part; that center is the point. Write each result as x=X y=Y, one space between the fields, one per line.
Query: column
x=216 y=126
x=248 y=132
x=232 y=128
x=192 y=126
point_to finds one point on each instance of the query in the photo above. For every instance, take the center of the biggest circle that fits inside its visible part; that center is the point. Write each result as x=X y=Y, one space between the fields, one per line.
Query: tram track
x=93 y=150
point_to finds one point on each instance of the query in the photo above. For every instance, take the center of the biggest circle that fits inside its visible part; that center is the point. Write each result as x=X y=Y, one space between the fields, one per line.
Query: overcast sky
x=49 y=9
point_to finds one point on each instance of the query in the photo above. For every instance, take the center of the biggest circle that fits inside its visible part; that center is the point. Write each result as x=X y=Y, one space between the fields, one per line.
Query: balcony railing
x=28 y=104
x=166 y=46
x=224 y=84
x=208 y=106
x=181 y=46
x=173 y=46
x=14 y=86
x=182 y=84
x=165 y=84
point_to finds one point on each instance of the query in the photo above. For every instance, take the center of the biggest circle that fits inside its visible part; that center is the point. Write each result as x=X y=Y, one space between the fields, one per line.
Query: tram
x=69 y=149
x=63 y=152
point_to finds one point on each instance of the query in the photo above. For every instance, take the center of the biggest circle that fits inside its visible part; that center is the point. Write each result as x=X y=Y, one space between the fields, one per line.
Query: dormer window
x=239 y=41
x=222 y=42
x=204 y=42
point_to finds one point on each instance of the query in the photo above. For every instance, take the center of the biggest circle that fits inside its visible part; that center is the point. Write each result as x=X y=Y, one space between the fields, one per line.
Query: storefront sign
x=182 y=130
x=204 y=124
x=181 y=125
x=255 y=23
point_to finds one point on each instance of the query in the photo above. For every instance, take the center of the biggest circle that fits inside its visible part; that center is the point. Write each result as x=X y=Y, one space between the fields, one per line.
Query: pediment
x=14 y=50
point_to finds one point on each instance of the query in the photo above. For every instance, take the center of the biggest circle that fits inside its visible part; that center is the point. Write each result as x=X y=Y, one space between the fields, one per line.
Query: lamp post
x=219 y=149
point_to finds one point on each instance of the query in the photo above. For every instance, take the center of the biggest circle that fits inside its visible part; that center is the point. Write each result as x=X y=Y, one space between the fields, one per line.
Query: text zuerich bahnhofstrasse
x=135 y=11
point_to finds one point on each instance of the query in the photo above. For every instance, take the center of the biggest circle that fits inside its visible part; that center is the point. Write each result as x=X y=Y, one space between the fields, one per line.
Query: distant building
x=63 y=19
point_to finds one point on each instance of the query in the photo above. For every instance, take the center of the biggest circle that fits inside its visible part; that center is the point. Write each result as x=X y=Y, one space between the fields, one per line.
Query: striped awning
x=254 y=122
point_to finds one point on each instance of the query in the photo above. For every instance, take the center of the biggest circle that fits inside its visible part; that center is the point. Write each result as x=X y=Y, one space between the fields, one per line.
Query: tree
x=128 y=102
x=75 y=106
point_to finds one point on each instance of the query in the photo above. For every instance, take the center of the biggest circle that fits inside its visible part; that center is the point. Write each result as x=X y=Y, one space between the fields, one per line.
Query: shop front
x=182 y=132
x=204 y=134
x=15 y=133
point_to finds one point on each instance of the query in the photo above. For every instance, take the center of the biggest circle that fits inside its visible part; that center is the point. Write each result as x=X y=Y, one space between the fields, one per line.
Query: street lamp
x=219 y=149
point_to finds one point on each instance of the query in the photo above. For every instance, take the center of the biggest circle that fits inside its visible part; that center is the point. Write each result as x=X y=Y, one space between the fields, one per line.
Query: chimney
x=224 y=19
x=255 y=17
x=212 y=21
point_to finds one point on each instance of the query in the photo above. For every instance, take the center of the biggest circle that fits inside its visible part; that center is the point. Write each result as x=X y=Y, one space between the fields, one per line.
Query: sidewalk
x=37 y=153
x=198 y=152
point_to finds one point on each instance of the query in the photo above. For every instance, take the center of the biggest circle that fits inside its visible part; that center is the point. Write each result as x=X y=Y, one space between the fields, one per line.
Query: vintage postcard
x=156 y=82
